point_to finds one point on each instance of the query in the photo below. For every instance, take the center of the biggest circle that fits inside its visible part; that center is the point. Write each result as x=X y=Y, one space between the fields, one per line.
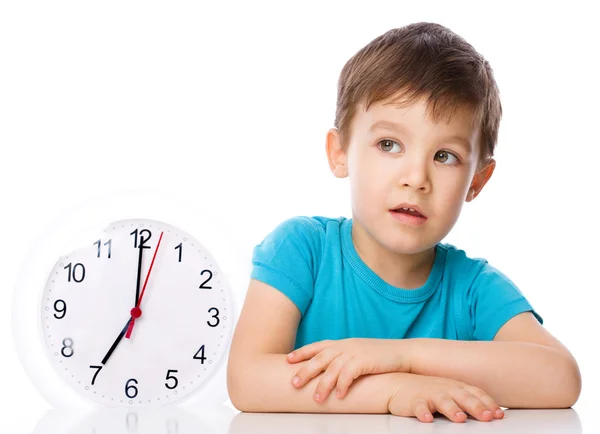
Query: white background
x=229 y=104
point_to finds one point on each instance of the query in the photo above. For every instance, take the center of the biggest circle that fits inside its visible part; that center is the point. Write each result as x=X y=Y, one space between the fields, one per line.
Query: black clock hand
x=139 y=273
x=114 y=345
x=137 y=297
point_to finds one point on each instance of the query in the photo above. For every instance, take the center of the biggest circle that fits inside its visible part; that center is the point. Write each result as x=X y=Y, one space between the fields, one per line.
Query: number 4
x=202 y=358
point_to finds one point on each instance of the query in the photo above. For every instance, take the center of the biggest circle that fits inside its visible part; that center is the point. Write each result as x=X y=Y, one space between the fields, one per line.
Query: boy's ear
x=480 y=179
x=337 y=157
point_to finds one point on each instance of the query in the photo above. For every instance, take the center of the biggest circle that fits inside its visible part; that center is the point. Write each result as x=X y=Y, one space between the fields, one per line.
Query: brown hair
x=416 y=61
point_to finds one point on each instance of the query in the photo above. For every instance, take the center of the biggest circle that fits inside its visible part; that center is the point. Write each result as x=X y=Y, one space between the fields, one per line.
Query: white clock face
x=125 y=331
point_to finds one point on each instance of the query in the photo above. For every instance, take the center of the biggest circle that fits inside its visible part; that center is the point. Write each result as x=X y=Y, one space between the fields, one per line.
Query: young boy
x=383 y=317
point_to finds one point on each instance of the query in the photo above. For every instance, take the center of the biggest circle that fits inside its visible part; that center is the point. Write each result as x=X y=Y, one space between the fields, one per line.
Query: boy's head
x=442 y=95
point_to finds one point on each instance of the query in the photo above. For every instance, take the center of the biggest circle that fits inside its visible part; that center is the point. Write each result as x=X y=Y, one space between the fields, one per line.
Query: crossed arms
x=524 y=367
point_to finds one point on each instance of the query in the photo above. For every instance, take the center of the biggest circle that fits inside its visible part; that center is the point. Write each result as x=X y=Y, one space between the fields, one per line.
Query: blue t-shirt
x=313 y=261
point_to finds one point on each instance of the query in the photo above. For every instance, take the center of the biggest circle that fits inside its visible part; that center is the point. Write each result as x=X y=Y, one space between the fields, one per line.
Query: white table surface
x=226 y=419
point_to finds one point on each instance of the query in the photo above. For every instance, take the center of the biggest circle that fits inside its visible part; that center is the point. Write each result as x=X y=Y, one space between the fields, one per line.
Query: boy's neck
x=406 y=271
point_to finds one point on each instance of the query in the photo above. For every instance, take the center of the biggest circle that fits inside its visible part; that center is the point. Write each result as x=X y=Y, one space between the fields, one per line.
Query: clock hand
x=139 y=273
x=136 y=312
x=114 y=345
x=137 y=298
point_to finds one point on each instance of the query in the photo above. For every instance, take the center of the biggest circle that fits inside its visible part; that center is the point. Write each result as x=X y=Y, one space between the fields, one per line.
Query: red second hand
x=136 y=312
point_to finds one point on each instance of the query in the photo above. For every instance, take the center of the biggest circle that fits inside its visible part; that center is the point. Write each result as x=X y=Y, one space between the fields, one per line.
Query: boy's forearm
x=263 y=384
x=515 y=374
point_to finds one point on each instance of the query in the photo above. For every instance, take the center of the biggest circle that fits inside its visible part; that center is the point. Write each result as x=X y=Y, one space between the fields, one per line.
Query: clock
x=135 y=311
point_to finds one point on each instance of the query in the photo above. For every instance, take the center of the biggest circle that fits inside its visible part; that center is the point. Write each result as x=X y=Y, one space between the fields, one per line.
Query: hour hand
x=114 y=345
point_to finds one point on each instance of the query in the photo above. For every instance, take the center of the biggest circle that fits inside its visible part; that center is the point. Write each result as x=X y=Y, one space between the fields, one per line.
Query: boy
x=383 y=317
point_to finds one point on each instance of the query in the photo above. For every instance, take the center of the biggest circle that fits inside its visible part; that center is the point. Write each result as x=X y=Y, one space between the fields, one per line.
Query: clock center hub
x=136 y=312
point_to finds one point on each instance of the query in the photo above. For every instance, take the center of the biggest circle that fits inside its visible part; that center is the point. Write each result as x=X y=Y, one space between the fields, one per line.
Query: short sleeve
x=287 y=259
x=493 y=300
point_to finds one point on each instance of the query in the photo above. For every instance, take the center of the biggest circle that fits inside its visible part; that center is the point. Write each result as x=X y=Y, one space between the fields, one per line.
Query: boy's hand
x=420 y=396
x=345 y=360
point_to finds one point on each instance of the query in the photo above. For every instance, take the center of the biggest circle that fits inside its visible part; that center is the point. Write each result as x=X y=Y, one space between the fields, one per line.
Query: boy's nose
x=414 y=175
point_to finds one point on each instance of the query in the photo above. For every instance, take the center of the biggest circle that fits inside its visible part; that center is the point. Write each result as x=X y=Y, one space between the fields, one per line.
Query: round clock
x=130 y=312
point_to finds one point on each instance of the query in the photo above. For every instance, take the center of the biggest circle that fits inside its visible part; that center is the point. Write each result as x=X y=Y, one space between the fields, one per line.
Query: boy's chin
x=408 y=244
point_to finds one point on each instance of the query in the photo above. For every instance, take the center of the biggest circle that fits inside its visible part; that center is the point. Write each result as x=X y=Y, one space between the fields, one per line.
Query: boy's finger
x=420 y=409
x=312 y=368
x=330 y=377
x=348 y=374
x=307 y=351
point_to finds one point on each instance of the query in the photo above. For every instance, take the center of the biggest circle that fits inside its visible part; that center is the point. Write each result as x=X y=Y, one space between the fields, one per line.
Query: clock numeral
x=60 y=310
x=128 y=388
x=67 y=349
x=109 y=242
x=215 y=316
x=99 y=368
x=142 y=239
x=180 y=247
x=201 y=358
x=209 y=277
x=171 y=377
x=72 y=273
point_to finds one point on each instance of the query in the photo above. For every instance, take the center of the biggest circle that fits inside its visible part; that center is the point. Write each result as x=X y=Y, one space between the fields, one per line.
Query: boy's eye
x=445 y=155
x=386 y=145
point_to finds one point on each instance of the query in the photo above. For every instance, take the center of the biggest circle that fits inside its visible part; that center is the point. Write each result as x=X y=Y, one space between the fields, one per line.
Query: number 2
x=209 y=277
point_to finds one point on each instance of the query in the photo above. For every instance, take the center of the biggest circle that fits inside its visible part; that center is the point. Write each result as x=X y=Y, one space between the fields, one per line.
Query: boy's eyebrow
x=393 y=126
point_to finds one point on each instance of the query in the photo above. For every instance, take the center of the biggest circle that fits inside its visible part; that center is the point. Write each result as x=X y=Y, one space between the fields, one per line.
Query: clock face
x=140 y=316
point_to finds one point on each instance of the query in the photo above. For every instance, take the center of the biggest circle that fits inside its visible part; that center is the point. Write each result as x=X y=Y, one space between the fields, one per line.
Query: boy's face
x=415 y=162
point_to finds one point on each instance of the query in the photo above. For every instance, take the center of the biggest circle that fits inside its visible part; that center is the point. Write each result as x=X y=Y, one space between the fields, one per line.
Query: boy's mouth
x=408 y=216
x=408 y=209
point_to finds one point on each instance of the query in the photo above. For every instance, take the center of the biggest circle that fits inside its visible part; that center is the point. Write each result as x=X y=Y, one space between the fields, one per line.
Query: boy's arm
x=258 y=375
x=524 y=367
x=263 y=384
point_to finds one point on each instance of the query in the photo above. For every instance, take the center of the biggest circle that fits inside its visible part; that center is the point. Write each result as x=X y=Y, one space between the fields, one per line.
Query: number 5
x=171 y=377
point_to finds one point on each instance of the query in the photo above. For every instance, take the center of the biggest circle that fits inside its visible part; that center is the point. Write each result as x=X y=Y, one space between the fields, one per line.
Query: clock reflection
x=163 y=420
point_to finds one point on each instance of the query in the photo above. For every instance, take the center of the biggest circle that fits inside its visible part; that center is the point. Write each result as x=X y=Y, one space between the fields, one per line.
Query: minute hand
x=139 y=274
x=136 y=312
